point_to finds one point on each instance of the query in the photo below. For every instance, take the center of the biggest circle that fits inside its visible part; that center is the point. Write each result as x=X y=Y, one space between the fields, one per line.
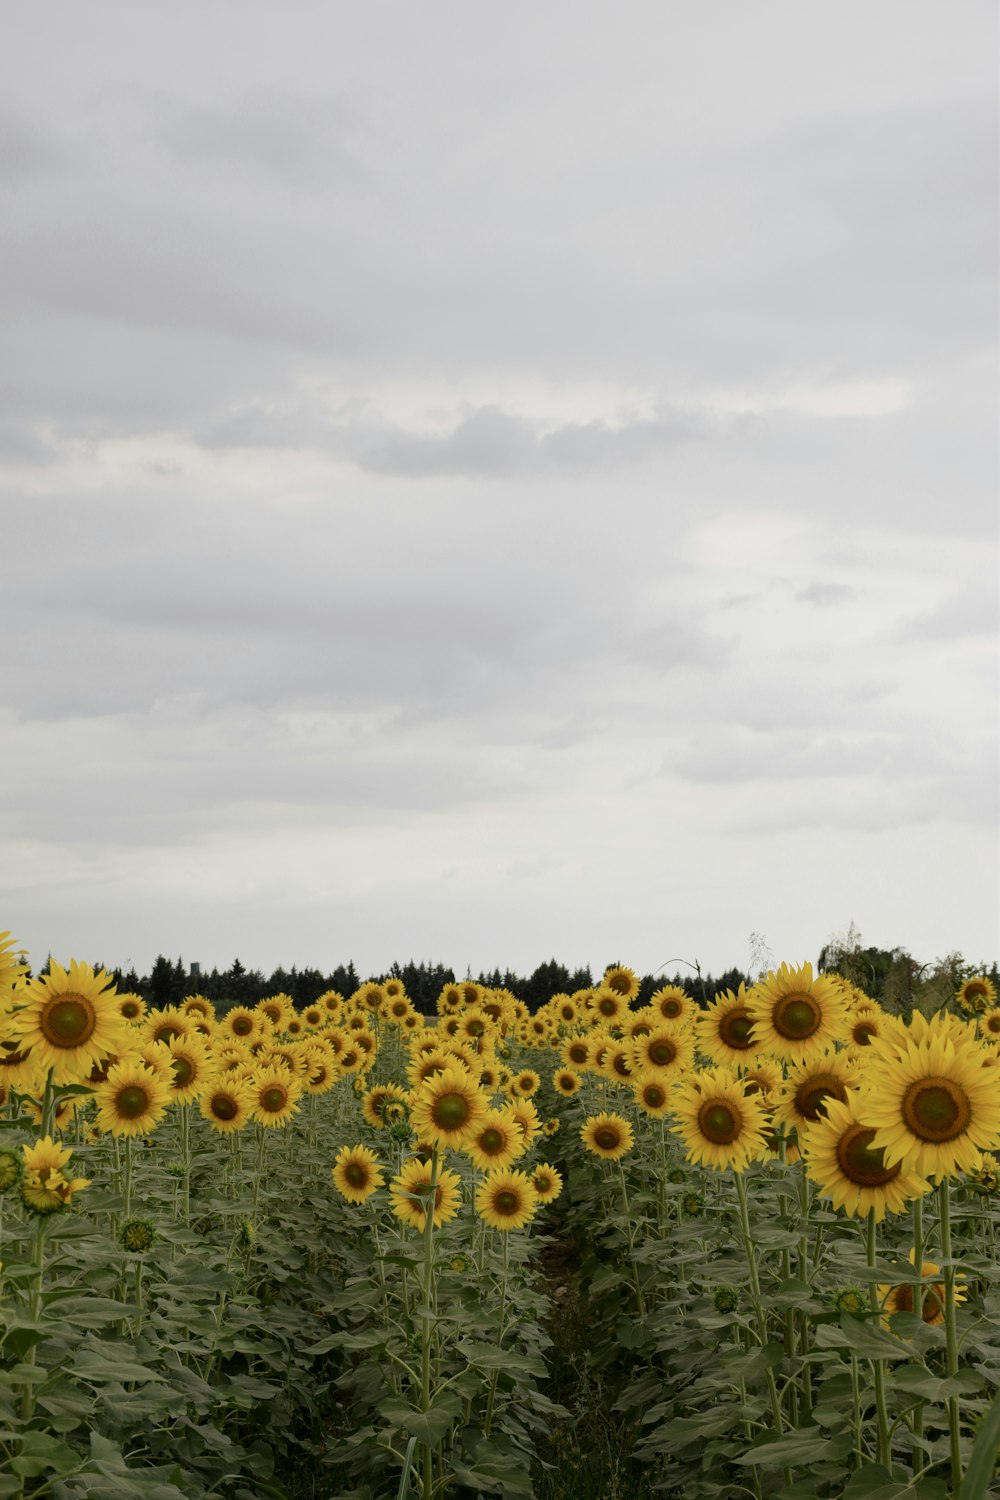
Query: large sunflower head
x=803 y=1097
x=796 y=1016
x=725 y=1030
x=673 y=1004
x=843 y=1156
x=506 y=1199
x=668 y=1050
x=69 y=1020
x=274 y=1095
x=357 y=1173
x=720 y=1124
x=496 y=1142
x=226 y=1103
x=448 y=1107
x=132 y=1100
x=607 y=1135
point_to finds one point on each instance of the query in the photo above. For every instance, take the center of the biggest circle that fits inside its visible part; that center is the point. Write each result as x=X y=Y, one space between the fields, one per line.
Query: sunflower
x=720 y=1124
x=368 y=996
x=132 y=1100
x=449 y=1000
x=607 y=1006
x=163 y=1025
x=617 y=1063
x=44 y=1187
x=934 y=1107
x=866 y=1025
x=652 y=1093
x=69 y=1020
x=10 y=969
x=190 y=1065
x=496 y=1142
x=278 y=1010
x=844 y=1158
x=525 y=1117
x=725 y=1030
x=976 y=995
x=565 y=1010
x=375 y=1100
x=607 y=1136
x=131 y=1007
x=803 y=1097
x=357 y=1173
x=566 y=1082
x=448 y=1108
x=547 y=1182
x=18 y=1069
x=332 y=1002
x=274 y=1095
x=576 y=1052
x=622 y=980
x=671 y=1003
x=506 y=1199
x=410 y=1193
x=321 y=1072
x=62 y=1116
x=763 y=1078
x=797 y=1017
x=669 y=1050
x=426 y=1063
x=226 y=1103
x=991 y=1025
x=901 y=1298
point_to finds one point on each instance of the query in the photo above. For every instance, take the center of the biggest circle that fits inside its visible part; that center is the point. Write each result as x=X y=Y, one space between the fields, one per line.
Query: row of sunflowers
x=740 y=1199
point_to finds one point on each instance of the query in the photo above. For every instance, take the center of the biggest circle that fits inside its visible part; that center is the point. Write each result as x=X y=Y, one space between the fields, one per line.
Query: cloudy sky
x=485 y=483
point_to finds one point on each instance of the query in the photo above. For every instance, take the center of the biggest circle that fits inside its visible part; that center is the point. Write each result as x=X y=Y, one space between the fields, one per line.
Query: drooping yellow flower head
x=44 y=1188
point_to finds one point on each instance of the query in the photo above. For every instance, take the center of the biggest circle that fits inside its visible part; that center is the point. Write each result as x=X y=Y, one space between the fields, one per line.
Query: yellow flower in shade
x=163 y=1025
x=525 y=1117
x=496 y=1142
x=44 y=1187
x=62 y=1116
x=547 y=1182
x=426 y=1063
x=576 y=1053
x=566 y=1082
x=274 y=1095
x=411 y=1190
x=448 y=1108
x=68 y=1020
x=652 y=1092
x=607 y=1006
x=763 y=1078
x=132 y=1100
x=725 y=1030
x=933 y=1106
x=607 y=1135
x=190 y=1066
x=796 y=1016
x=720 y=1124
x=802 y=1098
x=976 y=995
x=357 y=1173
x=374 y=1102
x=131 y=1007
x=506 y=1200
x=673 y=1004
x=931 y=1295
x=668 y=1049
x=842 y=1156
x=226 y=1103
x=525 y=1083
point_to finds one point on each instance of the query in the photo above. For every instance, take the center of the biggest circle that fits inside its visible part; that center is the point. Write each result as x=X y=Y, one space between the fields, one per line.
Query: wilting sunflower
x=496 y=1142
x=796 y=1016
x=68 y=1020
x=668 y=1050
x=622 y=980
x=933 y=1106
x=357 y=1173
x=652 y=1093
x=226 y=1103
x=132 y=1100
x=566 y=1082
x=506 y=1199
x=448 y=1108
x=720 y=1124
x=803 y=1097
x=607 y=1135
x=547 y=1182
x=375 y=1100
x=410 y=1193
x=274 y=1095
x=671 y=1003
x=842 y=1156
x=44 y=1187
x=976 y=995
x=932 y=1297
x=725 y=1030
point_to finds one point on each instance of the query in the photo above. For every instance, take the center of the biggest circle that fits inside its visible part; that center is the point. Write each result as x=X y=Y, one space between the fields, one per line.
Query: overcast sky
x=486 y=483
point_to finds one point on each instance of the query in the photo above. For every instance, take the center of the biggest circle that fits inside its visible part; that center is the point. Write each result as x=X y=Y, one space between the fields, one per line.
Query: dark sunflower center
x=671 y=1009
x=993 y=1025
x=224 y=1107
x=578 y=1052
x=736 y=1029
x=356 y=1174
x=619 y=1063
x=812 y=1094
x=474 y=1027
x=542 y=1183
x=451 y=1111
x=620 y=983
x=719 y=1122
x=662 y=1052
x=273 y=1099
x=130 y=1010
x=491 y=1141
x=183 y=1072
x=608 y=1005
x=860 y=1163
x=653 y=1095
x=9 y=1055
x=132 y=1102
x=863 y=1033
x=607 y=1137
x=506 y=1203
x=165 y=1033
x=797 y=1017
x=936 y=1109
x=68 y=1021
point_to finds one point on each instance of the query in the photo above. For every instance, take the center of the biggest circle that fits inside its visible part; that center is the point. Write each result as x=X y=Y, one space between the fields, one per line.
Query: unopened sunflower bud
x=137 y=1236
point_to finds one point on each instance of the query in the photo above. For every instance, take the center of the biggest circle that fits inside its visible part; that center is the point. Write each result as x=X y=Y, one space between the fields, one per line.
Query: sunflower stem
x=494 y=1378
x=427 y=1319
x=951 y=1335
x=127 y=1177
x=917 y=1420
x=34 y=1309
x=878 y=1369
x=751 y=1255
x=631 y=1242
x=48 y=1104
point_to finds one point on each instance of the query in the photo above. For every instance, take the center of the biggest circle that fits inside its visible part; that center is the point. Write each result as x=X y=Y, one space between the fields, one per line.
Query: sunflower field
x=602 y=1251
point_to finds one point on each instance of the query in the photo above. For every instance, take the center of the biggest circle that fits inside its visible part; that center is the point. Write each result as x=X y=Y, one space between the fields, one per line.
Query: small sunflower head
x=137 y=1236
x=726 y=1299
x=692 y=1205
x=851 y=1300
x=11 y=1170
x=246 y=1233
